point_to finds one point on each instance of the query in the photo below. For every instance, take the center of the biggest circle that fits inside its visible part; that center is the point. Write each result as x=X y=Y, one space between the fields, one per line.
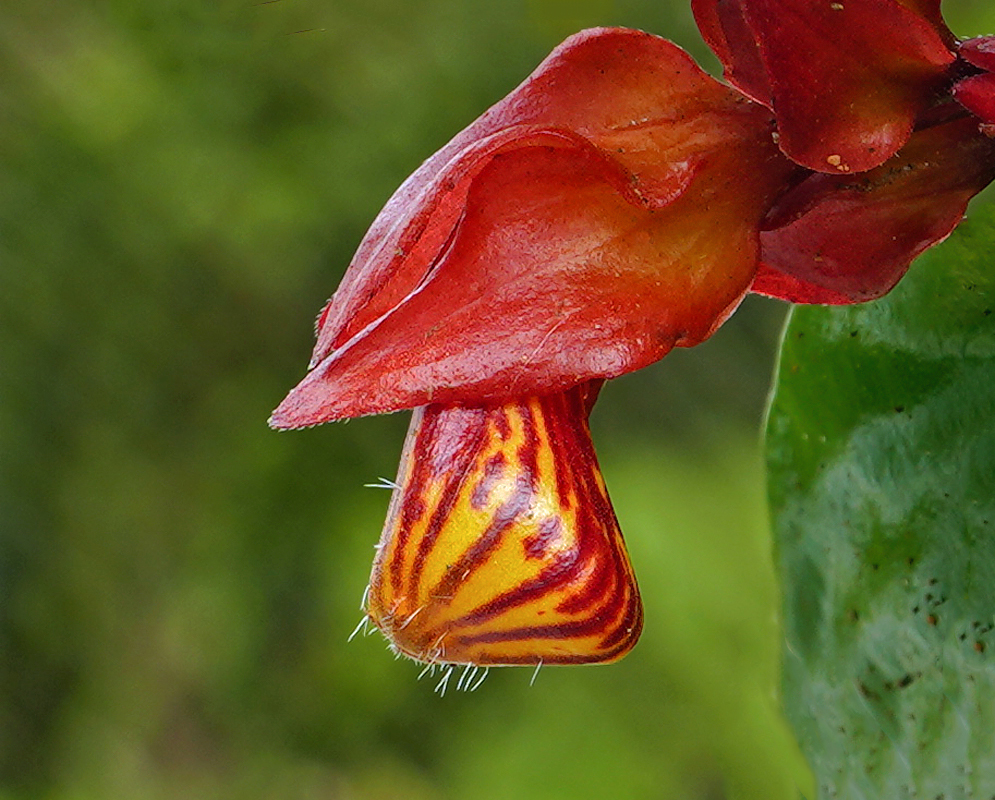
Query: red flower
x=619 y=203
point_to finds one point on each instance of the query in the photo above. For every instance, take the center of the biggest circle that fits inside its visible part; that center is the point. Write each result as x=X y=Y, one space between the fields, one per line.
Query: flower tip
x=292 y=414
x=278 y=421
x=320 y=398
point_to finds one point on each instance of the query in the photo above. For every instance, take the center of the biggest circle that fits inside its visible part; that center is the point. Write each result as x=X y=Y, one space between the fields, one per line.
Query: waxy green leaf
x=881 y=453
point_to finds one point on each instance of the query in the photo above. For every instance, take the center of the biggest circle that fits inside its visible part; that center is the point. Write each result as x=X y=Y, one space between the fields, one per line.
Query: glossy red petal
x=577 y=252
x=977 y=95
x=930 y=11
x=846 y=79
x=629 y=93
x=848 y=239
x=553 y=278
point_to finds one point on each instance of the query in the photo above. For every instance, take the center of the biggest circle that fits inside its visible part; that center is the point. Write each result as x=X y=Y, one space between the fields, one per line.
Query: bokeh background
x=181 y=186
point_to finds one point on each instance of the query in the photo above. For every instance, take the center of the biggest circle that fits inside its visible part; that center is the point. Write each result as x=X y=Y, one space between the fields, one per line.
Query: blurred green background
x=181 y=186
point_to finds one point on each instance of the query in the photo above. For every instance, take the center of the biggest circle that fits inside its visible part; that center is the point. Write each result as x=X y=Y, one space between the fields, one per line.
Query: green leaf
x=881 y=457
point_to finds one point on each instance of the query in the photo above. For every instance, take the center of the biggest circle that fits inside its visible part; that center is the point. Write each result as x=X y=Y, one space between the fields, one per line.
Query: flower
x=619 y=203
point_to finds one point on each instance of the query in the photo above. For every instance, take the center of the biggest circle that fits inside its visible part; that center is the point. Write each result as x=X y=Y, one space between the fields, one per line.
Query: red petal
x=930 y=11
x=724 y=28
x=570 y=254
x=772 y=283
x=849 y=239
x=553 y=278
x=977 y=95
x=847 y=79
x=628 y=92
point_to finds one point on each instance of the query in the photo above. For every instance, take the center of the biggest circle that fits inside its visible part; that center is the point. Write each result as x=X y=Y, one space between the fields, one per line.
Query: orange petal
x=501 y=546
x=604 y=212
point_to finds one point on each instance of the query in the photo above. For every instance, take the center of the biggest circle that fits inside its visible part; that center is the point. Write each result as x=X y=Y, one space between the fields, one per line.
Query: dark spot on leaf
x=853 y=615
x=987 y=312
x=979 y=647
x=915 y=610
x=852 y=334
x=932 y=619
x=910 y=560
x=906 y=680
x=874 y=567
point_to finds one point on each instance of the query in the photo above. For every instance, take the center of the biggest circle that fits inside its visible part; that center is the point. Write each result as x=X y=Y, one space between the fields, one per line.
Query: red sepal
x=845 y=79
x=846 y=239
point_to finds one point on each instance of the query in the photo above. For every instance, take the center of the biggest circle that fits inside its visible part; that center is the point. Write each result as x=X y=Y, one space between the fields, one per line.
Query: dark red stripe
x=477 y=554
x=528 y=451
x=447 y=441
x=631 y=624
x=616 y=639
x=547 y=536
x=549 y=580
